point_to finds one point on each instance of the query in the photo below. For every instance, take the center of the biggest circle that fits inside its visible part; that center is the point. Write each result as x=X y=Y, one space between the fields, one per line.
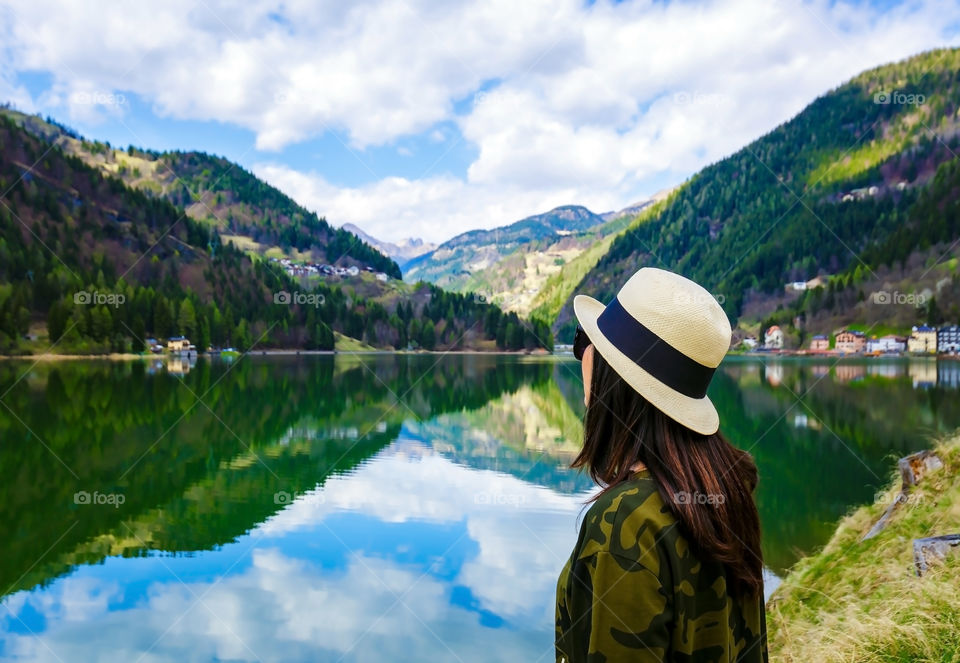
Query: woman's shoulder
x=628 y=521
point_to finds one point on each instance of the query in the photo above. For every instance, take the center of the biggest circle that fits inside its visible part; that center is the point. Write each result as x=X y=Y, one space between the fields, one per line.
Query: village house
x=180 y=344
x=313 y=269
x=923 y=339
x=887 y=344
x=948 y=339
x=773 y=339
x=153 y=345
x=820 y=343
x=800 y=286
x=860 y=194
x=850 y=342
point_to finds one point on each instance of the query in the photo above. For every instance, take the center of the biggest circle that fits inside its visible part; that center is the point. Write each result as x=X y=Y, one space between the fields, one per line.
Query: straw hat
x=664 y=335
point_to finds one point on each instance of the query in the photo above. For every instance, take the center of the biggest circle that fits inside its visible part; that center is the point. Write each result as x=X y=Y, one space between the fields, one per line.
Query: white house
x=773 y=339
x=948 y=339
x=888 y=343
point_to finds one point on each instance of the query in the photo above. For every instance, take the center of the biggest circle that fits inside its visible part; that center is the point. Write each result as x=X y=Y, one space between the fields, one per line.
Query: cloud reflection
x=331 y=577
x=286 y=604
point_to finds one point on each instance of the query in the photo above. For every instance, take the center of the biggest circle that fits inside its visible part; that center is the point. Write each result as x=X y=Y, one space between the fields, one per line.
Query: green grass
x=877 y=330
x=862 y=601
x=346 y=344
x=850 y=164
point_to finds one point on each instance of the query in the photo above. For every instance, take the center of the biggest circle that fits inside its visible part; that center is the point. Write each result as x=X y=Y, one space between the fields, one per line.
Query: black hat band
x=652 y=353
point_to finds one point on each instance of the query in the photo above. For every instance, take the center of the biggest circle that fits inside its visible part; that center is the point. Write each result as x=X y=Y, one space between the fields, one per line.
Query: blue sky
x=328 y=151
x=428 y=119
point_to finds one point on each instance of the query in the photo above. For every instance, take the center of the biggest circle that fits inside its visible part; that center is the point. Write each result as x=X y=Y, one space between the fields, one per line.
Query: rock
x=916 y=466
x=932 y=550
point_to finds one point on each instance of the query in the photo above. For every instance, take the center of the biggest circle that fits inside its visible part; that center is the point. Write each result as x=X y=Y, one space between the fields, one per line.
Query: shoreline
x=842 y=355
x=129 y=356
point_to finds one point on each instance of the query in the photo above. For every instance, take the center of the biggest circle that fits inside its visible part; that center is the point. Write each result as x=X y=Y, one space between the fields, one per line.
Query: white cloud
x=435 y=208
x=584 y=104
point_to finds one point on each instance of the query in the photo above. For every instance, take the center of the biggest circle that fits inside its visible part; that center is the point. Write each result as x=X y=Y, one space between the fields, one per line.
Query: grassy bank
x=862 y=601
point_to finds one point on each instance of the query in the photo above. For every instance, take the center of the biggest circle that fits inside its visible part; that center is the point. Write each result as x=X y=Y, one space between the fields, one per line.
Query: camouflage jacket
x=632 y=590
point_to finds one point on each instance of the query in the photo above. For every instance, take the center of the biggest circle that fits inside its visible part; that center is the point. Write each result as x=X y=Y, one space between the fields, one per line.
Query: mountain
x=89 y=264
x=509 y=264
x=217 y=192
x=402 y=252
x=551 y=295
x=862 y=179
x=636 y=208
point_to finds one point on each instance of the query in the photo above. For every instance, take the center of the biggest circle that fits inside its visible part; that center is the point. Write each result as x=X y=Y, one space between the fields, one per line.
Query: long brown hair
x=705 y=481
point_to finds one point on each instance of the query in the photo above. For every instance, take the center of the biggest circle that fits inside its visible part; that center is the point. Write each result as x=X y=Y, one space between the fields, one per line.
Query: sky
x=428 y=119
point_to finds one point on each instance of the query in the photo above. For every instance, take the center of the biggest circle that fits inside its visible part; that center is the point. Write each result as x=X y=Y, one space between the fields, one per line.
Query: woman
x=667 y=566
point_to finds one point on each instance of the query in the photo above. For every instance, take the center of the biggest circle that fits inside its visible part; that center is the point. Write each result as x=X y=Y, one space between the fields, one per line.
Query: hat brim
x=698 y=414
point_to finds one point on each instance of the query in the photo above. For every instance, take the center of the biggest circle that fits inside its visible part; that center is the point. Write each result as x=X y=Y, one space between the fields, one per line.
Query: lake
x=373 y=507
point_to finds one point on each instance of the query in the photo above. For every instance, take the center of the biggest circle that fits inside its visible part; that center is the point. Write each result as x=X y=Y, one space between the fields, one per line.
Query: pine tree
x=162 y=318
x=428 y=339
x=187 y=319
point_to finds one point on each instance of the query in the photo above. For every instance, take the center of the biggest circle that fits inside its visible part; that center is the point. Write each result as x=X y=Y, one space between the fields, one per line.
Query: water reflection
x=398 y=556
x=339 y=509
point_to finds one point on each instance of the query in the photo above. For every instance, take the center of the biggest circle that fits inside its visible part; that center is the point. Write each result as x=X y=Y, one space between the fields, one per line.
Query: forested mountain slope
x=827 y=191
x=219 y=193
x=88 y=264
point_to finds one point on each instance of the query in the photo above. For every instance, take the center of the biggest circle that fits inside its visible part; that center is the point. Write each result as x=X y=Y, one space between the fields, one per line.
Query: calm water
x=374 y=508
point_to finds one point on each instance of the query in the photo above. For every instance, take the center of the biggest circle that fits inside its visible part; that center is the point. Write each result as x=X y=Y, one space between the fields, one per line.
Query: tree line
x=104 y=267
